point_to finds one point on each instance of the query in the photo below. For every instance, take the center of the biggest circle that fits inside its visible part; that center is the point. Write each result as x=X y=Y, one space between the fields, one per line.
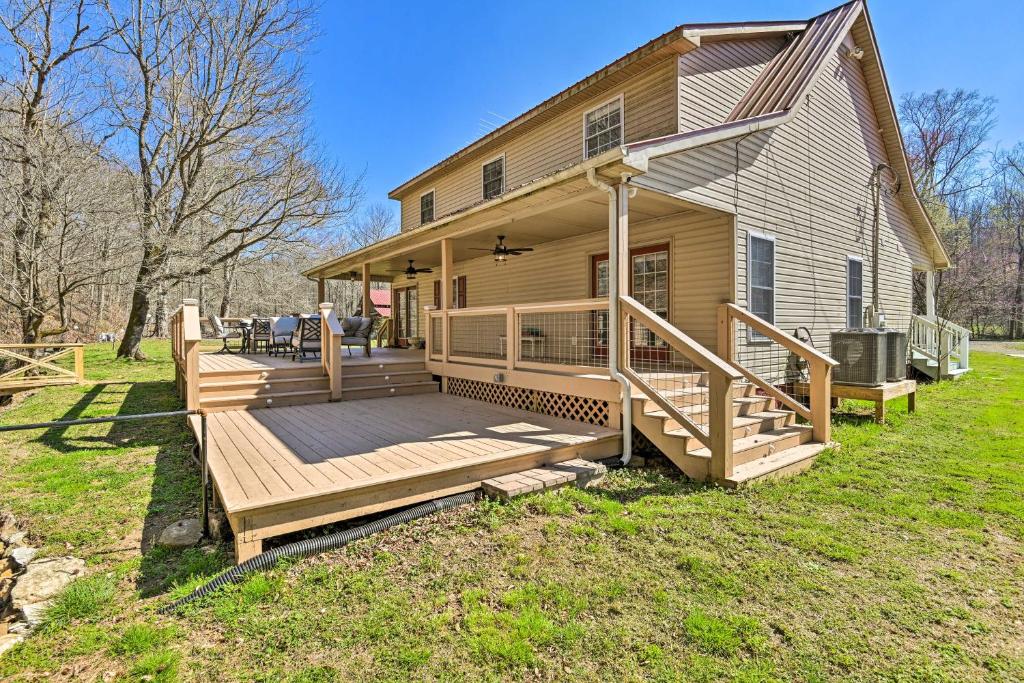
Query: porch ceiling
x=556 y=213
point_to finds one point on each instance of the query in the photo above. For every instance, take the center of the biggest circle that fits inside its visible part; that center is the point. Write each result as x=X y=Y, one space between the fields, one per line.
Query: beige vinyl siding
x=714 y=78
x=700 y=247
x=806 y=184
x=650 y=111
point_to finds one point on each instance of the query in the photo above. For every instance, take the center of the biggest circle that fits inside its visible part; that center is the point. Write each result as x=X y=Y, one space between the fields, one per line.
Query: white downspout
x=614 y=329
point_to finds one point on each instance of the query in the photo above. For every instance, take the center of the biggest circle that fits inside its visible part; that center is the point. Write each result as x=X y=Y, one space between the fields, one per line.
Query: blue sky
x=397 y=86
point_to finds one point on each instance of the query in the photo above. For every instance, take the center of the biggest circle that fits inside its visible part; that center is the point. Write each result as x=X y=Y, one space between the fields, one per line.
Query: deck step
x=578 y=472
x=783 y=463
x=386 y=378
x=758 y=446
x=748 y=425
x=352 y=370
x=386 y=390
x=272 y=400
x=224 y=389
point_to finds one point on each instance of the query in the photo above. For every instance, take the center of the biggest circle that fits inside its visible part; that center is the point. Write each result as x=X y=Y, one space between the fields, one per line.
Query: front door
x=649 y=284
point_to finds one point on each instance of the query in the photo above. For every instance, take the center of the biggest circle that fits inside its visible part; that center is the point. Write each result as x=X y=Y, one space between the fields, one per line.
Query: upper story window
x=426 y=207
x=494 y=177
x=602 y=128
x=854 y=292
x=761 y=280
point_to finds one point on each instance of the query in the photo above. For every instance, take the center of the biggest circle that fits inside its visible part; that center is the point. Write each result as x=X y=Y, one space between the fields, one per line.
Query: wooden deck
x=279 y=470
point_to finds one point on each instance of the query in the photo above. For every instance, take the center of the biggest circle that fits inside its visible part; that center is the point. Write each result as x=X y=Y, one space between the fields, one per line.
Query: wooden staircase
x=298 y=385
x=767 y=441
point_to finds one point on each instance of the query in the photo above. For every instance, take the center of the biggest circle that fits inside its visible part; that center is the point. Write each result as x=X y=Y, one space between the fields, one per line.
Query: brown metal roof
x=788 y=76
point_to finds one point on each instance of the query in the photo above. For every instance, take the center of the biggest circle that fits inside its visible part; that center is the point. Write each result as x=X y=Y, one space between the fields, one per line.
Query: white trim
x=859 y=259
x=622 y=122
x=504 y=173
x=433 y=209
x=751 y=338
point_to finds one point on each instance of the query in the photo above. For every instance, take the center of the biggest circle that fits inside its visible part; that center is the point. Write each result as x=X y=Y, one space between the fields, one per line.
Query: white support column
x=929 y=295
x=447 y=268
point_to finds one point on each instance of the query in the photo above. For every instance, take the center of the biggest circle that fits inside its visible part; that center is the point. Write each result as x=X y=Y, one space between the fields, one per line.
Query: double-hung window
x=494 y=177
x=761 y=279
x=602 y=128
x=854 y=292
x=426 y=207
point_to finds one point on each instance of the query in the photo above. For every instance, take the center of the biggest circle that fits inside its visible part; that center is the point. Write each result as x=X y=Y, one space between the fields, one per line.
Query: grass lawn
x=899 y=556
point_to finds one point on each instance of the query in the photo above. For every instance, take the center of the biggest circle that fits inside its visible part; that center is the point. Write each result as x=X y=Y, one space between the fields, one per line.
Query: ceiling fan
x=501 y=251
x=412 y=271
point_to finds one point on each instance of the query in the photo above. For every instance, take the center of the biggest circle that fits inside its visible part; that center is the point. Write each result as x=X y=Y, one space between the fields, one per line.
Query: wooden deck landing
x=283 y=469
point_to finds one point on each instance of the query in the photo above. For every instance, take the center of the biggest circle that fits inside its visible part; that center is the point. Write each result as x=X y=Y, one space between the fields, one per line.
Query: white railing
x=942 y=341
x=565 y=337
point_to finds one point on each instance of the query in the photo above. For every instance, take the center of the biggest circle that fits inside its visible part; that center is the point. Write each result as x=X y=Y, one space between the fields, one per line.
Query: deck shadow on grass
x=175 y=485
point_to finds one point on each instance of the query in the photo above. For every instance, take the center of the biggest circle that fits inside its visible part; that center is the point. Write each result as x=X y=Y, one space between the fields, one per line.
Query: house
x=381 y=299
x=665 y=246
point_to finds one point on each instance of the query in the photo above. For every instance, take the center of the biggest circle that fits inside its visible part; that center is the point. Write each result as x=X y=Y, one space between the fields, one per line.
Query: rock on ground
x=10 y=640
x=24 y=555
x=44 y=579
x=183 y=534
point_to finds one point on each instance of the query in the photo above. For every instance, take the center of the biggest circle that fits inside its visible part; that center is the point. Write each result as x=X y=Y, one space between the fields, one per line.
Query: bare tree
x=945 y=133
x=41 y=140
x=377 y=222
x=1009 y=193
x=210 y=113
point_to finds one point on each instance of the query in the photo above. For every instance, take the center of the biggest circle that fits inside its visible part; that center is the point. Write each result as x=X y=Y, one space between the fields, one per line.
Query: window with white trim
x=761 y=279
x=494 y=177
x=602 y=128
x=854 y=292
x=426 y=207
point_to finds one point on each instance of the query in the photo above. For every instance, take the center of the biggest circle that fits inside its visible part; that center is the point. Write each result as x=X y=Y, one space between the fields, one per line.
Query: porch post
x=447 y=266
x=366 y=290
x=321 y=290
x=929 y=294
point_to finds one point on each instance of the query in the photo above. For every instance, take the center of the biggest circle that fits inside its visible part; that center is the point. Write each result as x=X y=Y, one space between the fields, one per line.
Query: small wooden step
x=351 y=370
x=749 y=425
x=760 y=445
x=579 y=472
x=691 y=396
x=385 y=378
x=385 y=390
x=209 y=389
x=272 y=400
x=783 y=463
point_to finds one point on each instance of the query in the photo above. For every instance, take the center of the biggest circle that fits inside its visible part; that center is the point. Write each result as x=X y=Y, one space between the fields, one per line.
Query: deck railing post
x=330 y=348
x=512 y=337
x=206 y=474
x=720 y=401
x=80 y=363
x=821 y=401
x=191 y=336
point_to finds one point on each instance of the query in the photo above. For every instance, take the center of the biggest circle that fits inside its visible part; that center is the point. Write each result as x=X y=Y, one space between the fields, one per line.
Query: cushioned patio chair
x=281 y=330
x=356 y=332
x=223 y=333
x=306 y=338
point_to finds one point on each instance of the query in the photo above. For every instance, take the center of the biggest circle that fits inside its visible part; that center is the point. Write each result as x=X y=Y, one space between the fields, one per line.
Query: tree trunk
x=228 y=286
x=160 y=313
x=1016 y=327
x=131 y=345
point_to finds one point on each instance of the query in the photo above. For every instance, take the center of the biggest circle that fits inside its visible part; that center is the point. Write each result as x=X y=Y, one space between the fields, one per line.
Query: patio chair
x=221 y=332
x=356 y=331
x=281 y=330
x=260 y=334
x=306 y=338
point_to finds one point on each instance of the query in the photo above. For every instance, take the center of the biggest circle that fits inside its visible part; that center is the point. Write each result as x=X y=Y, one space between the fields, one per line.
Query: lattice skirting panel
x=578 y=408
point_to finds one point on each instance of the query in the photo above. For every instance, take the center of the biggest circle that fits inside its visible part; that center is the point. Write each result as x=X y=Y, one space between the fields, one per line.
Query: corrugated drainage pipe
x=314 y=546
x=613 y=315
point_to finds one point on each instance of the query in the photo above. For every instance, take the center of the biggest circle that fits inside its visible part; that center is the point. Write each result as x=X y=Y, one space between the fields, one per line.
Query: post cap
x=190 y=302
x=326 y=305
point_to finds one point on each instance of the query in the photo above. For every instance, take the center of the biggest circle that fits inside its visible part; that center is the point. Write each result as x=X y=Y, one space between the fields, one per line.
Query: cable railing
x=784 y=368
x=568 y=337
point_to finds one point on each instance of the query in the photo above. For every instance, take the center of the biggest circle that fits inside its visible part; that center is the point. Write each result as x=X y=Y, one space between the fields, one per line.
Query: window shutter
x=437 y=294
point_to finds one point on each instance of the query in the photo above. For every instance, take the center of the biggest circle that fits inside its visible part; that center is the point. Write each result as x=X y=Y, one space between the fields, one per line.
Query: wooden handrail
x=819 y=366
x=805 y=351
x=186 y=334
x=682 y=343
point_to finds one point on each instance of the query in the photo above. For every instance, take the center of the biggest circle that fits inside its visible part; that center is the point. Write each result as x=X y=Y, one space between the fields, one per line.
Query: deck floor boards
x=245 y=362
x=273 y=456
